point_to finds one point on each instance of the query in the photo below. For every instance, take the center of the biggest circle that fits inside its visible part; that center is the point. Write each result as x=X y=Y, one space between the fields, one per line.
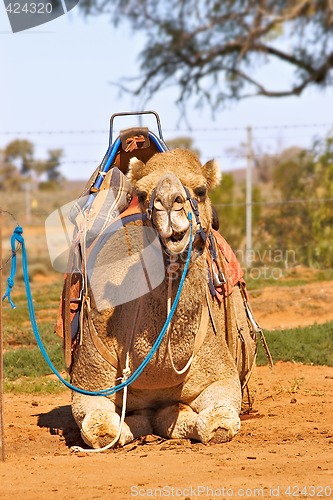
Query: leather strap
x=198 y=341
x=210 y=310
x=201 y=333
x=67 y=321
x=99 y=345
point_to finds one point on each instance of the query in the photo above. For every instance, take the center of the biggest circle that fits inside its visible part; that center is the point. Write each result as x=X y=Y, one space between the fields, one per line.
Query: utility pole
x=249 y=159
x=27 y=187
x=2 y=431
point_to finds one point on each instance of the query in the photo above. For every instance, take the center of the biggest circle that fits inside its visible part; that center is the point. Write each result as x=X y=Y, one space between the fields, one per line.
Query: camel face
x=170 y=213
x=162 y=179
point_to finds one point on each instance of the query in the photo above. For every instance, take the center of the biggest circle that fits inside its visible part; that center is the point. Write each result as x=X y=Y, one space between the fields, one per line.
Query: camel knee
x=217 y=424
x=99 y=428
x=220 y=394
x=137 y=425
x=175 y=421
x=83 y=405
x=218 y=408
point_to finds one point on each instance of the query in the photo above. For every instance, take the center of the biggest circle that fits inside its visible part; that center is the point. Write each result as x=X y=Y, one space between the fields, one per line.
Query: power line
x=238 y=156
x=207 y=129
x=233 y=156
x=278 y=202
x=216 y=139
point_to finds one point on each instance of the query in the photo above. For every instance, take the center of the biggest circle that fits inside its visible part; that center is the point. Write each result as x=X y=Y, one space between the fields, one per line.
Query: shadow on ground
x=60 y=422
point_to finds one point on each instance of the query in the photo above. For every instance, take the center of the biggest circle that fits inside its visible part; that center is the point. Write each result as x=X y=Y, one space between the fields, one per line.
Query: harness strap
x=194 y=205
x=210 y=310
x=210 y=282
x=199 y=337
x=227 y=298
x=256 y=328
x=99 y=345
x=202 y=331
x=67 y=322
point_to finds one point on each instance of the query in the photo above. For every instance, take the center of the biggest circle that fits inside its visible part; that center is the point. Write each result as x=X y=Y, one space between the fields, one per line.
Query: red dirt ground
x=284 y=448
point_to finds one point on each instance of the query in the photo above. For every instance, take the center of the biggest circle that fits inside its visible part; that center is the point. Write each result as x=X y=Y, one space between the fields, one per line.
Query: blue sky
x=56 y=78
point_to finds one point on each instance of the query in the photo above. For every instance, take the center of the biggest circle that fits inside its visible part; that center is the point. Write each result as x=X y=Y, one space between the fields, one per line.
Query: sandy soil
x=280 y=307
x=284 y=448
x=287 y=442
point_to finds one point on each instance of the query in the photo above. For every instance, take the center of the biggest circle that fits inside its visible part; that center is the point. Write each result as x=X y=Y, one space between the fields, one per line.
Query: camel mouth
x=177 y=236
x=177 y=242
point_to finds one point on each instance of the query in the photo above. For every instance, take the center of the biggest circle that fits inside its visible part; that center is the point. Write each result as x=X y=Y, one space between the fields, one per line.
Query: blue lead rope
x=18 y=238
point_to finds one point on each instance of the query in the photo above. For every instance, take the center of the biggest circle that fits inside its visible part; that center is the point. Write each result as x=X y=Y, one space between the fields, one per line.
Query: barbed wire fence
x=233 y=136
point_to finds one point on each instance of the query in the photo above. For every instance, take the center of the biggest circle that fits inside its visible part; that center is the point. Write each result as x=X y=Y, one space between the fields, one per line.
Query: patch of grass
x=16 y=322
x=311 y=345
x=24 y=362
x=25 y=369
x=34 y=385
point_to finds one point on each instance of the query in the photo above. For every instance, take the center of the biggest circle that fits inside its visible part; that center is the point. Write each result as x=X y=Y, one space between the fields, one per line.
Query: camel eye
x=142 y=196
x=201 y=192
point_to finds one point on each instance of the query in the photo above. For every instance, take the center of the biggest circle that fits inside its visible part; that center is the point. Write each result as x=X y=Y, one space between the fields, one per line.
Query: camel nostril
x=178 y=203
x=158 y=204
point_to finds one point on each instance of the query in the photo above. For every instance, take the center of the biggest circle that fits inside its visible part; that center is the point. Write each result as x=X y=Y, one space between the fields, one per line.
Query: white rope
x=126 y=373
x=169 y=303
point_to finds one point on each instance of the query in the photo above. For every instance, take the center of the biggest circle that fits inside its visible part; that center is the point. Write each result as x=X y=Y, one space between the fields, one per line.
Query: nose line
x=168 y=202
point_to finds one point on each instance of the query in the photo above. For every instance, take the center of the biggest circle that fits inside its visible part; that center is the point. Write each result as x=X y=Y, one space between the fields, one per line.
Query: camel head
x=163 y=185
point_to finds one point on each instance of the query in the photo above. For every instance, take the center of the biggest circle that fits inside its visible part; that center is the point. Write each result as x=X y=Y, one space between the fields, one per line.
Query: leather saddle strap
x=99 y=345
x=230 y=338
x=198 y=341
x=67 y=321
x=201 y=334
x=210 y=310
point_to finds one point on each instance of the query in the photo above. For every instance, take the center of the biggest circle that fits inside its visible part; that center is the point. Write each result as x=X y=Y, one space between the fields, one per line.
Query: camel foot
x=99 y=428
x=217 y=425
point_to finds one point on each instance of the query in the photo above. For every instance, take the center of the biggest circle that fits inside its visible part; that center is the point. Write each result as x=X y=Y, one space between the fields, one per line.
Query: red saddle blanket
x=232 y=269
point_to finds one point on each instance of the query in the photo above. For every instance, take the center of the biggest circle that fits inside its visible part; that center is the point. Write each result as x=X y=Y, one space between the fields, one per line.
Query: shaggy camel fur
x=204 y=402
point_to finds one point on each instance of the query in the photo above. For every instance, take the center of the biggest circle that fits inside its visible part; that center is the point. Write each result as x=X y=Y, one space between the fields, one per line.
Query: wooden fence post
x=2 y=431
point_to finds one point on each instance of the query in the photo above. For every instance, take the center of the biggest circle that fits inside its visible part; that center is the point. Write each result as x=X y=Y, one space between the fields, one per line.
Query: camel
x=194 y=384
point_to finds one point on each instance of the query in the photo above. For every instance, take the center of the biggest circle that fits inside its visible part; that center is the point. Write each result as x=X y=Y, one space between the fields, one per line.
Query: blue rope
x=17 y=237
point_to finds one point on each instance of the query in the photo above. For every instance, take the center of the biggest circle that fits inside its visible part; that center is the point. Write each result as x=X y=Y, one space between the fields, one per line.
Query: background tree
x=49 y=167
x=211 y=48
x=10 y=178
x=228 y=198
x=183 y=143
x=18 y=165
x=303 y=221
x=20 y=153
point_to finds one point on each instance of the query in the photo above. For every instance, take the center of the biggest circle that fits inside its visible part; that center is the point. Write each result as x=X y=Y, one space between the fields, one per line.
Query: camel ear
x=135 y=170
x=212 y=173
